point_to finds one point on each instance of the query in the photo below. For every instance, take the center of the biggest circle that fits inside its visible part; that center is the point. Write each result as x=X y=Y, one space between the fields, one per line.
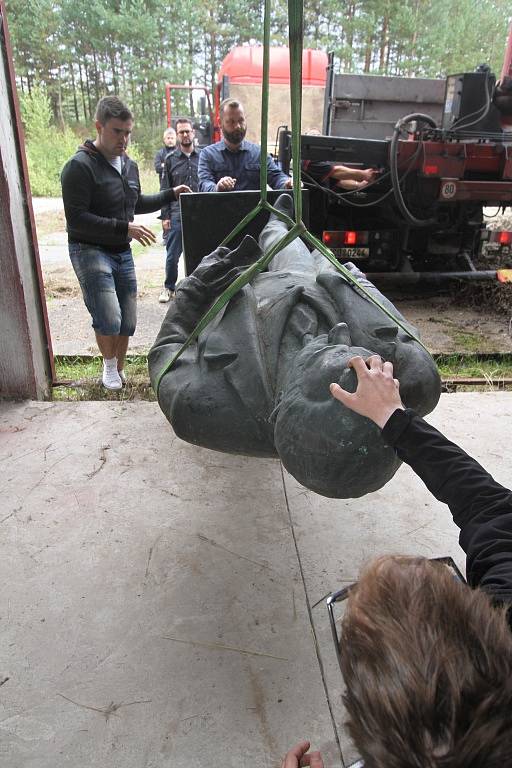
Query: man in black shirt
x=180 y=168
x=101 y=193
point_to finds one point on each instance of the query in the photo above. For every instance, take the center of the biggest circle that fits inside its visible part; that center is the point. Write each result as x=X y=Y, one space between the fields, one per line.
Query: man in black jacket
x=180 y=168
x=101 y=193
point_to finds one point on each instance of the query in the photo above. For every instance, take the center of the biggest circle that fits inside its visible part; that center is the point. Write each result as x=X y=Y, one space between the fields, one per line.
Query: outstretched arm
x=481 y=507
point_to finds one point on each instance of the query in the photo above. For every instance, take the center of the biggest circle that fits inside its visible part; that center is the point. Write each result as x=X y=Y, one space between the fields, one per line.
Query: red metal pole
x=507 y=61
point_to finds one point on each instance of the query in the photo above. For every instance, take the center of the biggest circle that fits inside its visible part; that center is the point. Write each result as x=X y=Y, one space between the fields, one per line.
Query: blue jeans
x=109 y=287
x=173 y=247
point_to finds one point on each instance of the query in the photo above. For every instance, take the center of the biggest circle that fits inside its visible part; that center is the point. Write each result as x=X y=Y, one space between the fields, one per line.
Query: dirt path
x=444 y=326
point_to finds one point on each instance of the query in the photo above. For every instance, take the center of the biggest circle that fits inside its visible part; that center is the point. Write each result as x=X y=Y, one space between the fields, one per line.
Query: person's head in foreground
x=427 y=664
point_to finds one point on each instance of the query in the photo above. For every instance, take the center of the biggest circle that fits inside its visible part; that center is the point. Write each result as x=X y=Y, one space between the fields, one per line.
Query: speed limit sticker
x=448 y=189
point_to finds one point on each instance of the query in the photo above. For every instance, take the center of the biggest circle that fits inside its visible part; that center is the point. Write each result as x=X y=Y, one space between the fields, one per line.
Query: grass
x=492 y=368
x=149 y=181
x=468 y=341
x=79 y=378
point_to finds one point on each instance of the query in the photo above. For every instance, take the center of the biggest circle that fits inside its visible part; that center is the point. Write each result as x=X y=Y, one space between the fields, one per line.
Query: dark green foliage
x=81 y=49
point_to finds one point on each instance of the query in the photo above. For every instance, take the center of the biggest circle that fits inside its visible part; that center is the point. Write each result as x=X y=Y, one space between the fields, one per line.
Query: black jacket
x=160 y=158
x=481 y=507
x=179 y=169
x=99 y=202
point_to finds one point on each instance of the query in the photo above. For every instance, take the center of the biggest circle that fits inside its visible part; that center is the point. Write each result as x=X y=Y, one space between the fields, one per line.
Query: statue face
x=324 y=445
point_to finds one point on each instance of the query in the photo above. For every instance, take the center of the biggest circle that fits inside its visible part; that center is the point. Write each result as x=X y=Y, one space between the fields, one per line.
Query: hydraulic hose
x=393 y=161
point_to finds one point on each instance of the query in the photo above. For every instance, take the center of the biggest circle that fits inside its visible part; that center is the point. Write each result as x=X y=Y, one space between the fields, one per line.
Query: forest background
x=68 y=54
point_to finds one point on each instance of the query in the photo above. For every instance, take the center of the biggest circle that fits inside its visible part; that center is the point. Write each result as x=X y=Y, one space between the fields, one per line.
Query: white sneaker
x=111 y=378
x=165 y=296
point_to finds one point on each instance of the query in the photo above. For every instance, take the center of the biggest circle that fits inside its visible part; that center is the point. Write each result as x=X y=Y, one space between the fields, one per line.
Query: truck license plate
x=352 y=253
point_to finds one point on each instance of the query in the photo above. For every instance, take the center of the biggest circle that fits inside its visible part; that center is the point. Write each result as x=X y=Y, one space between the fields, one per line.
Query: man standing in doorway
x=101 y=193
x=233 y=163
x=169 y=146
x=180 y=168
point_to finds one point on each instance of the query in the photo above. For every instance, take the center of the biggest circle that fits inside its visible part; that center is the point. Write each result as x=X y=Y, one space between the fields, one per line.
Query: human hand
x=181 y=190
x=166 y=225
x=142 y=234
x=225 y=184
x=368 y=175
x=288 y=184
x=298 y=756
x=377 y=395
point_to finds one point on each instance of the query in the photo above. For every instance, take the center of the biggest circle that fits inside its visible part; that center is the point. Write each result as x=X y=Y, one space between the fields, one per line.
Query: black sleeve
x=76 y=195
x=481 y=507
x=158 y=162
x=150 y=203
x=165 y=183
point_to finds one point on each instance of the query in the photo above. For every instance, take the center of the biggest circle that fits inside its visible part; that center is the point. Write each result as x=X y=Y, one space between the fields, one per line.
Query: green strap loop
x=264 y=103
x=295 y=37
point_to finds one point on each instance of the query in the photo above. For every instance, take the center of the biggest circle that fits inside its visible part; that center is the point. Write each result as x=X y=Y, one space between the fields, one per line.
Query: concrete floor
x=161 y=605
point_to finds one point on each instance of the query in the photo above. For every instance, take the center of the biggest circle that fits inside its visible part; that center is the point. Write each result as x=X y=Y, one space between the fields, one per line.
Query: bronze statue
x=256 y=381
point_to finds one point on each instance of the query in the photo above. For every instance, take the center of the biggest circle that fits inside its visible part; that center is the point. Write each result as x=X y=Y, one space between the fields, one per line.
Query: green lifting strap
x=295 y=35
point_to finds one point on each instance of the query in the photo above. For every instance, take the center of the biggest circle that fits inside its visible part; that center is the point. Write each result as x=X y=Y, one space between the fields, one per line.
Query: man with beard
x=233 y=163
x=180 y=168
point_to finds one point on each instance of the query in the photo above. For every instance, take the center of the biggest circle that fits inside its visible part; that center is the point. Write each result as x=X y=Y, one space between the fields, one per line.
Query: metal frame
x=7 y=53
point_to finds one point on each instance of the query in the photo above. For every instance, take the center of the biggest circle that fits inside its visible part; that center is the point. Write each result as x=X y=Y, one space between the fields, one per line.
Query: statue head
x=329 y=449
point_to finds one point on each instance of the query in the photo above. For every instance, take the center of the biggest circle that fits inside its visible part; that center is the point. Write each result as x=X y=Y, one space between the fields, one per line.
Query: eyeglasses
x=342 y=594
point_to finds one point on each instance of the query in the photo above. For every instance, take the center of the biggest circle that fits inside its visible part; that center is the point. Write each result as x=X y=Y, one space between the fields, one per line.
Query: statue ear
x=386 y=332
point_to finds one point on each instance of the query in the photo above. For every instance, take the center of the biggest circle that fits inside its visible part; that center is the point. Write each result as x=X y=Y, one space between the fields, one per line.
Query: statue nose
x=339 y=334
